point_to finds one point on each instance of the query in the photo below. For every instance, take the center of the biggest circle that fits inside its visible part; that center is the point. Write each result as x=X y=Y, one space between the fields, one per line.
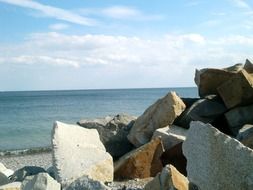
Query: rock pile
x=185 y=144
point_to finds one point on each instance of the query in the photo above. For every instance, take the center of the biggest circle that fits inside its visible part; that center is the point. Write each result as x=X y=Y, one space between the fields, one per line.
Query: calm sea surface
x=26 y=118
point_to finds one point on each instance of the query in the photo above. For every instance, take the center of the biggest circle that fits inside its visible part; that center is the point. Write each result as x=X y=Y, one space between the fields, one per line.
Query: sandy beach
x=15 y=162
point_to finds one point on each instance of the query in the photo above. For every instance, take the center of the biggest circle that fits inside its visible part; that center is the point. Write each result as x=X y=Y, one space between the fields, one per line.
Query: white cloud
x=138 y=62
x=241 y=4
x=58 y=26
x=51 y=11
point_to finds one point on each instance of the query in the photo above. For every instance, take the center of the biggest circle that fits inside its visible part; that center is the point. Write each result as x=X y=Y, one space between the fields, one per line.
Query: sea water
x=27 y=117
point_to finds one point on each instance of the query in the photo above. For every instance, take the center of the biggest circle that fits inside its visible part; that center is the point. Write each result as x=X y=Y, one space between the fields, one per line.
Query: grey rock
x=134 y=184
x=162 y=113
x=113 y=132
x=205 y=110
x=85 y=183
x=3 y=179
x=238 y=117
x=170 y=136
x=248 y=66
x=22 y=173
x=245 y=135
x=217 y=161
x=209 y=79
x=78 y=151
x=41 y=181
x=51 y=171
x=238 y=90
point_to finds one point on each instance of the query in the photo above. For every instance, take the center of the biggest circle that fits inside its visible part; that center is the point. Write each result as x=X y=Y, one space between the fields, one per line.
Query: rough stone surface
x=7 y=172
x=162 y=113
x=113 y=132
x=11 y=186
x=217 y=161
x=245 y=135
x=238 y=90
x=169 y=178
x=3 y=179
x=238 y=117
x=78 y=151
x=209 y=79
x=41 y=181
x=134 y=184
x=170 y=135
x=142 y=162
x=175 y=157
x=22 y=173
x=85 y=183
x=248 y=66
x=204 y=110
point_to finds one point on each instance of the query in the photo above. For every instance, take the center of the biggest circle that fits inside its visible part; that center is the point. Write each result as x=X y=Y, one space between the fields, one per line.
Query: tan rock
x=162 y=113
x=142 y=162
x=78 y=151
x=170 y=135
x=11 y=186
x=209 y=79
x=169 y=178
x=238 y=90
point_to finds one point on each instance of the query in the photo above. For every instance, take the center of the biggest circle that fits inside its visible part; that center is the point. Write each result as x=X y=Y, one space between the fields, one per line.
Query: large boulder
x=245 y=136
x=7 y=172
x=206 y=110
x=85 y=183
x=142 y=162
x=113 y=132
x=238 y=90
x=4 y=179
x=41 y=181
x=238 y=117
x=209 y=79
x=22 y=173
x=162 y=113
x=11 y=186
x=169 y=178
x=78 y=151
x=217 y=161
x=170 y=135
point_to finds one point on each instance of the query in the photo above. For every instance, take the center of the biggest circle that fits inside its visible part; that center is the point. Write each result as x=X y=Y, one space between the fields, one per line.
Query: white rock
x=41 y=181
x=11 y=186
x=171 y=135
x=217 y=161
x=5 y=171
x=78 y=151
x=162 y=113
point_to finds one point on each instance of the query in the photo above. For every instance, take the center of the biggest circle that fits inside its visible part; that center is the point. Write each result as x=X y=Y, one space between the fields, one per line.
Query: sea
x=27 y=117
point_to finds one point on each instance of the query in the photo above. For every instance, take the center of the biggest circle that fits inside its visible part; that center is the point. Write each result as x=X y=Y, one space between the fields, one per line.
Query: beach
x=15 y=162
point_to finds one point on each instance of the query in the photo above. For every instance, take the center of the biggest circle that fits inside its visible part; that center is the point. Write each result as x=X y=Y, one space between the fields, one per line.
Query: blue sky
x=119 y=44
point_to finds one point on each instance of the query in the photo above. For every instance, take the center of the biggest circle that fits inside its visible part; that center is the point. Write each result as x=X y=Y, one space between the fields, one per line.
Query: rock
x=85 y=183
x=78 y=151
x=209 y=79
x=189 y=101
x=245 y=135
x=51 y=171
x=175 y=157
x=22 y=173
x=41 y=181
x=248 y=66
x=134 y=184
x=5 y=171
x=11 y=186
x=142 y=162
x=3 y=179
x=217 y=161
x=206 y=110
x=169 y=178
x=162 y=113
x=238 y=90
x=170 y=135
x=113 y=132
x=238 y=117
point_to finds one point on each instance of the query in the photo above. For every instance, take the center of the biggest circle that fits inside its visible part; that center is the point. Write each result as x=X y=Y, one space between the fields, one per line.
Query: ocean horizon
x=27 y=117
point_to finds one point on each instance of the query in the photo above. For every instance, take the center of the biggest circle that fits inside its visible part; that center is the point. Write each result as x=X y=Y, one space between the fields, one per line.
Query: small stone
x=142 y=162
x=245 y=135
x=162 y=113
x=41 y=181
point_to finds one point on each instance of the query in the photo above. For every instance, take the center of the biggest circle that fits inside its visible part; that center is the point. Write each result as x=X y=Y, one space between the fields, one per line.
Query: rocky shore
x=177 y=143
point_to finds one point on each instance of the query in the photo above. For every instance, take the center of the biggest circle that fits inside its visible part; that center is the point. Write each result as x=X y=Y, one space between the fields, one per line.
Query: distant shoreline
x=25 y=151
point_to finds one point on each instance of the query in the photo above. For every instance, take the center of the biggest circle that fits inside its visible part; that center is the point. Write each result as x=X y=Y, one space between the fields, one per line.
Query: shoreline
x=26 y=151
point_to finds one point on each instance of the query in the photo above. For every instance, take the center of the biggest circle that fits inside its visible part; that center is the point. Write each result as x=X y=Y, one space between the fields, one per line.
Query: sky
x=106 y=44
